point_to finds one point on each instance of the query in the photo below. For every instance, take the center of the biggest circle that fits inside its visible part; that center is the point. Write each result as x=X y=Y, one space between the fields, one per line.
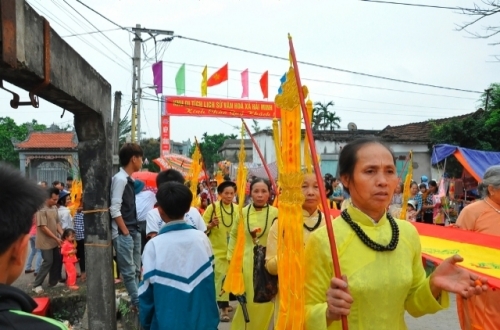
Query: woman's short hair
x=490 y=178
x=349 y=155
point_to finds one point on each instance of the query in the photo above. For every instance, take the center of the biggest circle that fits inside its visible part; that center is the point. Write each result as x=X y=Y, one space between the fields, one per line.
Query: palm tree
x=333 y=120
x=321 y=116
x=255 y=126
x=124 y=128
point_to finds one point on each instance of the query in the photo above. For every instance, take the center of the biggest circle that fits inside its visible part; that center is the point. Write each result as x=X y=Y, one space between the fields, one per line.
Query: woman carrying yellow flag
x=257 y=219
x=220 y=217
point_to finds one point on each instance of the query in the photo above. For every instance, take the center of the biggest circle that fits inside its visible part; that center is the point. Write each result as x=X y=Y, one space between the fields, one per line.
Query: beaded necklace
x=222 y=210
x=367 y=240
x=497 y=211
x=248 y=221
x=313 y=228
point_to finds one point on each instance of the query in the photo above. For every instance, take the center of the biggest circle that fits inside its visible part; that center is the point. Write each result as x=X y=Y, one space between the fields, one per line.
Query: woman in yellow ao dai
x=379 y=256
x=313 y=219
x=257 y=215
x=220 y=217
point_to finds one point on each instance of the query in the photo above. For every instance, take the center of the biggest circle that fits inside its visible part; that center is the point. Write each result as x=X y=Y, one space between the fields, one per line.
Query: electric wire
x=358 y=99
x=95 y=27
x=65 y=26
x=326 y=66
x=414 y=5
x=107 y=19
x=87 y=33
x=329 y=82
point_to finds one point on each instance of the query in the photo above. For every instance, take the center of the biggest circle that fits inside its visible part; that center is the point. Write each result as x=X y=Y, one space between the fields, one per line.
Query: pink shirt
x=33 y=227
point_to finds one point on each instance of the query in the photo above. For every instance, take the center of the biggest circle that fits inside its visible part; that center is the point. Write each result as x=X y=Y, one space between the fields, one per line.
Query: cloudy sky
x=401 y=42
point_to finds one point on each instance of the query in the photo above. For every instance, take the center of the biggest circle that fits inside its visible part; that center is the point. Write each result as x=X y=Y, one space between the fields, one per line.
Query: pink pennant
x=244 y=83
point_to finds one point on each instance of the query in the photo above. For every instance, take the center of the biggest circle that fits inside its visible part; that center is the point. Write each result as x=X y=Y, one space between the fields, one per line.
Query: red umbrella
x=149 y=178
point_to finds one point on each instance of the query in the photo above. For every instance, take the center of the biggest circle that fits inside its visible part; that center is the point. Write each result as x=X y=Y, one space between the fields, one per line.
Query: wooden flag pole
x=317 y=170
x=271 y=179
x=205 y=172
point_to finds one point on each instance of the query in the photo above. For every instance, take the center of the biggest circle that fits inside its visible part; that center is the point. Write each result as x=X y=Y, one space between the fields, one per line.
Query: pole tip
x=289 y=36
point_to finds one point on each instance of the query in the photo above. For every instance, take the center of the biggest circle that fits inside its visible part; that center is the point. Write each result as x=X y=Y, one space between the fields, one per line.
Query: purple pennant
x=158 y=77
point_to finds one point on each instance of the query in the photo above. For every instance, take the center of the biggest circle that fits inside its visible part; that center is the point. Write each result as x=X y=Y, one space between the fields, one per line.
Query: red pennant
x=264 y=84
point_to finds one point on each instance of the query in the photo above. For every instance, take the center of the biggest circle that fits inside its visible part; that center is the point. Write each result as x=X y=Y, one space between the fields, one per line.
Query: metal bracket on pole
x=15 y=102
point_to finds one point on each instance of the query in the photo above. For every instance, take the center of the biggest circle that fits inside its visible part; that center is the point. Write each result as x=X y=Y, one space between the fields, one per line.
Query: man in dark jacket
x=125 y=230
x=18 y=204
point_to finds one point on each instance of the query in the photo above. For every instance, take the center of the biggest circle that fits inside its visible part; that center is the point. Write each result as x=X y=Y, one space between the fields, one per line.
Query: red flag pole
x=271 y=179
x=317 y=170
x=205 y=172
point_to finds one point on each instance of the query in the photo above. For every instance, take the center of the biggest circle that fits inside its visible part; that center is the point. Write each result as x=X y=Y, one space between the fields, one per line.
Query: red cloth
x=71 y=273
x=68 y=252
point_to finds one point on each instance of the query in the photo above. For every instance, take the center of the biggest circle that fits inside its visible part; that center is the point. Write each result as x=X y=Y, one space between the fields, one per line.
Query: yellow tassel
x=234 y=279
x=290 y=245
x=307 y=154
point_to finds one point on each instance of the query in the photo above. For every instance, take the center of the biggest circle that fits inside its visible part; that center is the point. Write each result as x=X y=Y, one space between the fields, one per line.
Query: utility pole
x=136 y=86
x=136 y=75
x=488 y=91
x=116 y=131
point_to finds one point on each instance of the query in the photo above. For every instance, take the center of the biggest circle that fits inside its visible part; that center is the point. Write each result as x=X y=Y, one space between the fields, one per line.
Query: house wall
x=330 y=150
x=266 y=145
x=66 y=168
x=232 y=155
x=421 y=158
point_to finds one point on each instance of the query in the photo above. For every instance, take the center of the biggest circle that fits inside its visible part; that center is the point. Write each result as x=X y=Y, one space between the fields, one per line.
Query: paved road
x=444 y=320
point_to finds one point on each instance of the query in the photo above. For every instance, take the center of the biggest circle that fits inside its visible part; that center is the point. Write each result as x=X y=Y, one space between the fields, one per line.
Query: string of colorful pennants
x=217 y=78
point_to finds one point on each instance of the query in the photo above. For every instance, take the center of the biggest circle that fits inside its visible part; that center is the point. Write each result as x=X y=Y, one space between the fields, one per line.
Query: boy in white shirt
x=153 y=220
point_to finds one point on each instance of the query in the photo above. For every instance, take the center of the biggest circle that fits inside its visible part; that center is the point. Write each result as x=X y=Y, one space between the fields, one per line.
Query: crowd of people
x=173 y=258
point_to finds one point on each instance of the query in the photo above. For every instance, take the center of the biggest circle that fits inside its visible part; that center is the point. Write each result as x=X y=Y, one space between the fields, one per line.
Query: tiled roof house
x=418 y=132
x=48 y=155
x=415 y=137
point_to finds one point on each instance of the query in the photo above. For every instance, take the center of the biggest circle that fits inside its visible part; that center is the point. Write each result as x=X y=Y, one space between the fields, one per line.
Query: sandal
x=224 y=318
x=73 y=287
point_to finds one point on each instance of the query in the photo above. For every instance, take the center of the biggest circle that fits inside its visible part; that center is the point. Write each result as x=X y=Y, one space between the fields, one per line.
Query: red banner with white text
x=228 y=108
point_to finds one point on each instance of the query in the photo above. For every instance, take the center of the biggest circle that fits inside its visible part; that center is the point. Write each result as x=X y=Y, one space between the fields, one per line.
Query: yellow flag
x=194 y=174
x=204 y=75
x=407 y=187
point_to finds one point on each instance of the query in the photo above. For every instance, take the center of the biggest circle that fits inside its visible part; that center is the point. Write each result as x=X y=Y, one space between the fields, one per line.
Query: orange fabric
x=482 y=312
x=466 y=165
x=480 y=217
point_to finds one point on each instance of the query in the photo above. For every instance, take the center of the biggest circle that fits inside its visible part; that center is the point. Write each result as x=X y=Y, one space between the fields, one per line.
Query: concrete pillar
x=22 y=163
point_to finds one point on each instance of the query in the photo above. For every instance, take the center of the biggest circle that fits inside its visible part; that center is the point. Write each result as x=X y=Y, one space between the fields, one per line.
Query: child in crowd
x=34 y=252
x=18 y=203
x=178 y=252
x=68 y=251
x=411 y=211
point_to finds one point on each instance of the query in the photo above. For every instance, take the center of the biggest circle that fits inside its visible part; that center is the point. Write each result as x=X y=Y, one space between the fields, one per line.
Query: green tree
x=323 y=117
x=10 y=131
x=124 y=128
x=151 y=149
x=479 y=131
x=210 y=145
x=494 y=99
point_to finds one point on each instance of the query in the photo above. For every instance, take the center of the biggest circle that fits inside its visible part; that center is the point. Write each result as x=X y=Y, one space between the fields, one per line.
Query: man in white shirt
x=153 y=220
x=145 y=201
